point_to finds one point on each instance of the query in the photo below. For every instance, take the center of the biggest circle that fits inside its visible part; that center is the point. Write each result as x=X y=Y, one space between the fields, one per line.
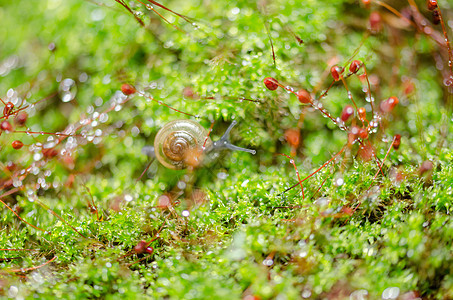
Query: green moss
x=356 y=228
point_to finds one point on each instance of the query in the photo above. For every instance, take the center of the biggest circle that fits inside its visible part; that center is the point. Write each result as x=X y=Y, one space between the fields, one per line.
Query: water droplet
x=391 y=293
x=339 y=181
x=67 y=89
x=128 y=198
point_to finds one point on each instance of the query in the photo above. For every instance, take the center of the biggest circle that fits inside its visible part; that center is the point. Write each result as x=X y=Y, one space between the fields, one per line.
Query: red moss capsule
x=363 y=133
x=128 y=89
x=6 y=126
x=303 y=96
x=17 y=144
x=49 y=152
x=396 y=141
x=10 y=166
x=292 y=136
x=389 y=104
x=21 y=118
x=8 y=109
x=348 y=112
x=355 y=66
x=362 y=113
x=141 y=247
x=366 y=152
x=352 y=135
x=393 y=101
x=164 y=202
x=188 y=92
x=432 y=4
x=271 y=83
x=149 y=250
x=409 y=87
x=425 y=167
x=375 y=22
x=336 y=71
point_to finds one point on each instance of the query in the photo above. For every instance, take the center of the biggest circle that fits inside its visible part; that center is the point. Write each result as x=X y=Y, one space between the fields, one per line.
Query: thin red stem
x=291 y=160
x=32 y=268
x=162 y=103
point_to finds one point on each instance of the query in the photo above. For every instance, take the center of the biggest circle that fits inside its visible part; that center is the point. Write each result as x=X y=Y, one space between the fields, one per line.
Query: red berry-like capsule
x=141 y=247
x=21 y=118
x=149 y=250
x=303 y=96
x=362 y=113
x=17 y=144
x=7 y=109
x=336 y=72
x=389 y=104
x=366 y=3
x=375 y=22
x=396 y=141
x=352 y=135
x=188 y=92
x=425 y=167
x=10 y=166
x=409 y=87
x=6 y=126
x=292 y=136
x=271 y=83
x=363 y=133
x=355 y=66
x=128 y=89
x=393 y=101
x=347 y=112
x=49 y=152
x=432 y=4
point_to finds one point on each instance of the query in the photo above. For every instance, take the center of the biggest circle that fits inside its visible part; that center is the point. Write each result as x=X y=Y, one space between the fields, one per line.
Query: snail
x=180 y=143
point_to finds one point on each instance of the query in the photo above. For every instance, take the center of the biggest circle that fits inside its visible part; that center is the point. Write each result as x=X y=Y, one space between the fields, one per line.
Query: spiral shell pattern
x=177 y=140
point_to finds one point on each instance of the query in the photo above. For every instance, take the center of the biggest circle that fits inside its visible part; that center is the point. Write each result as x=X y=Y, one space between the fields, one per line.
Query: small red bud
x=363 y=133
x=128 y=89
x=375 y=22
x=49 y=152
x=17 y=144
x=10 y=166
x=6 y=126
x=8 y=109
x=141 y=247
x=149 y=250
x=425 y=167
x=303 y=96
x=396 y=141
x=188 y=92
x=362 y=113
x=347 y=112
x=355 y=66
x=336 y=72
x=21 y=118
x=389 y=104
x=292 y=136
x=366 y=3
x=432 y=4
x=271 y=83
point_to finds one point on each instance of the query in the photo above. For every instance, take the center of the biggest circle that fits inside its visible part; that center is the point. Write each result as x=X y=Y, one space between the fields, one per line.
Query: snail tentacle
x=224 y=142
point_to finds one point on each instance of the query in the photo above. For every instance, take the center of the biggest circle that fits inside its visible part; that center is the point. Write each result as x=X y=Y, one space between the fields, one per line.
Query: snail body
x=181 y=143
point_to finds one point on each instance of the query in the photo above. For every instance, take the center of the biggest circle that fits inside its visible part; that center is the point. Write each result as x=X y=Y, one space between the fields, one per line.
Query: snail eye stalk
x=224 y=142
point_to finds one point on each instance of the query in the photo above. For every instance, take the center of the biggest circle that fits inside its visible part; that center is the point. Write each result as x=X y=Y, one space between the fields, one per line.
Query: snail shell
x=179 y=143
